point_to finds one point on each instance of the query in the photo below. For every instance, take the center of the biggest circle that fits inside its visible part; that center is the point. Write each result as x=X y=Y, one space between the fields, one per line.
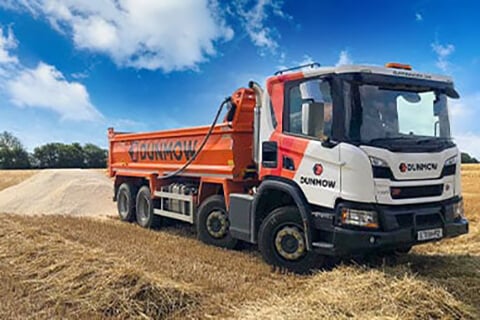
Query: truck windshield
x=393 y=113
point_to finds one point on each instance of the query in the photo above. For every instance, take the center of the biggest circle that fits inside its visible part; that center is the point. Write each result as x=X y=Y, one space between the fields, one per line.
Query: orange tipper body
x=227 y=155
x=164 y=152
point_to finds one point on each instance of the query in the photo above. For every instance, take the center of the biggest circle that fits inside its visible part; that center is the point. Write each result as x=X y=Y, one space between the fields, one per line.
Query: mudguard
x=291 y=188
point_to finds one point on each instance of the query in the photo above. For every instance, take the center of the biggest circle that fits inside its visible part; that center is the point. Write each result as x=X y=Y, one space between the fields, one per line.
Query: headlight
x=458 y=211
x=361 y=218
x=376 y=162
x=451 y=161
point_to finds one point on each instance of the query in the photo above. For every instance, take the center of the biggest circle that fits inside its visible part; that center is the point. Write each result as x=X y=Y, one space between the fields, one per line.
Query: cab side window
x=295 y=111
x=294 y=116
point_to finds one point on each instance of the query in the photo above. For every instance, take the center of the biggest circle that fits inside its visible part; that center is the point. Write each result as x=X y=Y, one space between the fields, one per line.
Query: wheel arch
x=208 y=189
x=290 y=193
x=134 y=182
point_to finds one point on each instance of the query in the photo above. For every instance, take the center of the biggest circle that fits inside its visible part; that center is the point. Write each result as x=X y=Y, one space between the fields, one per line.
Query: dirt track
x=435 y=281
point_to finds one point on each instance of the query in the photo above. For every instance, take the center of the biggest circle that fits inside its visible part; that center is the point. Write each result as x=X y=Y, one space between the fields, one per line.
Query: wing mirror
x=312 y=119
x=312 y=108
x=310 y=91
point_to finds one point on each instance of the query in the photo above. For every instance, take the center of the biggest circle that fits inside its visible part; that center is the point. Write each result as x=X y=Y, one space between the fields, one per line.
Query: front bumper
x=399 y=228
x=352 y=242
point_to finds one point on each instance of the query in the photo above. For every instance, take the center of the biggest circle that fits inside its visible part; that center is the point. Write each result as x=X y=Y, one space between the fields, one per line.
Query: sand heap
x=69 y=192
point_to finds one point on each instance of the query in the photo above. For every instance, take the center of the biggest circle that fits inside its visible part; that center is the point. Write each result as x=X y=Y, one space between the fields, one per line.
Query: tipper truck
x=322 y=161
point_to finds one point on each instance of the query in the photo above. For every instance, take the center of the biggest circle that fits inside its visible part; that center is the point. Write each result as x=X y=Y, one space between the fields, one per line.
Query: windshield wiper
x=384 y=139
x=432 y=139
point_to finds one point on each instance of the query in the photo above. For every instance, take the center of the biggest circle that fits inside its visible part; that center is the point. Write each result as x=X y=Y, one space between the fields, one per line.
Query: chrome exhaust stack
x=256 y=119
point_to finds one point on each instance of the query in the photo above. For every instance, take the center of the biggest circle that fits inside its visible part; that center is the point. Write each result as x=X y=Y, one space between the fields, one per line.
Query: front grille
x=428 y=220
x=422 y=221
x=416 y=192
x=404 y=220
x=386 y=173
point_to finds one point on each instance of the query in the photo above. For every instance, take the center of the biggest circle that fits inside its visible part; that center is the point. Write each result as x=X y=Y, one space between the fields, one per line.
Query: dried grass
x=436 y=281
x=45 y=276
x=10 y=178
x=360 y=293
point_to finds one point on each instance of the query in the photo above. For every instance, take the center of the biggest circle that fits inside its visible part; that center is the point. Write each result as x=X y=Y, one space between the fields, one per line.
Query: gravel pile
x=73 y=192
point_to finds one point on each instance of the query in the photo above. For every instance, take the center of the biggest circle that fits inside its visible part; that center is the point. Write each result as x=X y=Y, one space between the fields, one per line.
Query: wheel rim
x=290 y=242
x=123 y=204
x=217 y=224
x=143 y=211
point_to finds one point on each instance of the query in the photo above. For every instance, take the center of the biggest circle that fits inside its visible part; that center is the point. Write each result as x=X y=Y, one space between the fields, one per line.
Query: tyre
x=403 y=250
x=144 y=209
x=282 y=242
x=212 y=223
x=126 y=202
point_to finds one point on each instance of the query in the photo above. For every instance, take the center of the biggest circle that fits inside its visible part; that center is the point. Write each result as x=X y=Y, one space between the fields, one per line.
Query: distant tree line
x=466 y=158
x=13 y=155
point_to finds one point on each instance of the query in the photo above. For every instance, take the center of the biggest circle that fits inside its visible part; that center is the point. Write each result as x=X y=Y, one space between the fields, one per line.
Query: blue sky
x=69 y=69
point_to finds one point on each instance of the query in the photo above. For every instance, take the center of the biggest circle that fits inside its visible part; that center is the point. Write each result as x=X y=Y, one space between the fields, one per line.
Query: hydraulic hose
x=202 y=145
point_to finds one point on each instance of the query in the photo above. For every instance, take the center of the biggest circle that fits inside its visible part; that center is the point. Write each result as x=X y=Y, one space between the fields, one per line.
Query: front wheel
x=282 y=241
x=213 y=226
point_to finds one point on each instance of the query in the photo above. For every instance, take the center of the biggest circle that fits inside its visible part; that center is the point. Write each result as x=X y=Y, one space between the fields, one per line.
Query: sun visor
x=451 y=93
x=381 y=79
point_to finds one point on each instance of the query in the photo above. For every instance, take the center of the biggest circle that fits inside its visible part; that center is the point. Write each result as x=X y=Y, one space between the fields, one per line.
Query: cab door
x=305 y=154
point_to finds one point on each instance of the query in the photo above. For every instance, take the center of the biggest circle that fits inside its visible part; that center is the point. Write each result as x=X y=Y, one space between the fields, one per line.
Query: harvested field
x=45 y=275
x=10 y=178
x=63 y=266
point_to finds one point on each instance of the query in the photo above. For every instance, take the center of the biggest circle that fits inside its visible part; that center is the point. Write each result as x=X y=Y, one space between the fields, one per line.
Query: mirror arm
x=329 y=143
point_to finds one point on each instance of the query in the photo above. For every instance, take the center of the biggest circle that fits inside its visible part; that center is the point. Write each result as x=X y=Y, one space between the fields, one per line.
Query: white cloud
x=46 y=87
x=126 y=124
x=344 y=58
x=306 y=61
x=95 y=33
x=42 y=87
x=144 y=34
x=157 y=34
x=464 y=114
x=442 y=52
x=254 y=16
x=469 y=142
x=7 y=43
x=462 y=109
x=80 y=75
x=418 y=16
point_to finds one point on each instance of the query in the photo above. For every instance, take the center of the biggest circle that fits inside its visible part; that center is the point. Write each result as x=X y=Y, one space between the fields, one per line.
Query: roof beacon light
x=395 y=65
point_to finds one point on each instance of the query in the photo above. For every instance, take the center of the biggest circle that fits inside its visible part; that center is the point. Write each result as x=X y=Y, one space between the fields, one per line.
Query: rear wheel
x=212 y=223
x=126 y=202
x=144 y=213
x=282 y=241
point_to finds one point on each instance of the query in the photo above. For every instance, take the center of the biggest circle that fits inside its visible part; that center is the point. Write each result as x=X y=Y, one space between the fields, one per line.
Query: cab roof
x=312 y=72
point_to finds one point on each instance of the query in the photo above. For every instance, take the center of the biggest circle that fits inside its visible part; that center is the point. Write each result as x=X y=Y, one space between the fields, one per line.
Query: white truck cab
x=351 y=159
